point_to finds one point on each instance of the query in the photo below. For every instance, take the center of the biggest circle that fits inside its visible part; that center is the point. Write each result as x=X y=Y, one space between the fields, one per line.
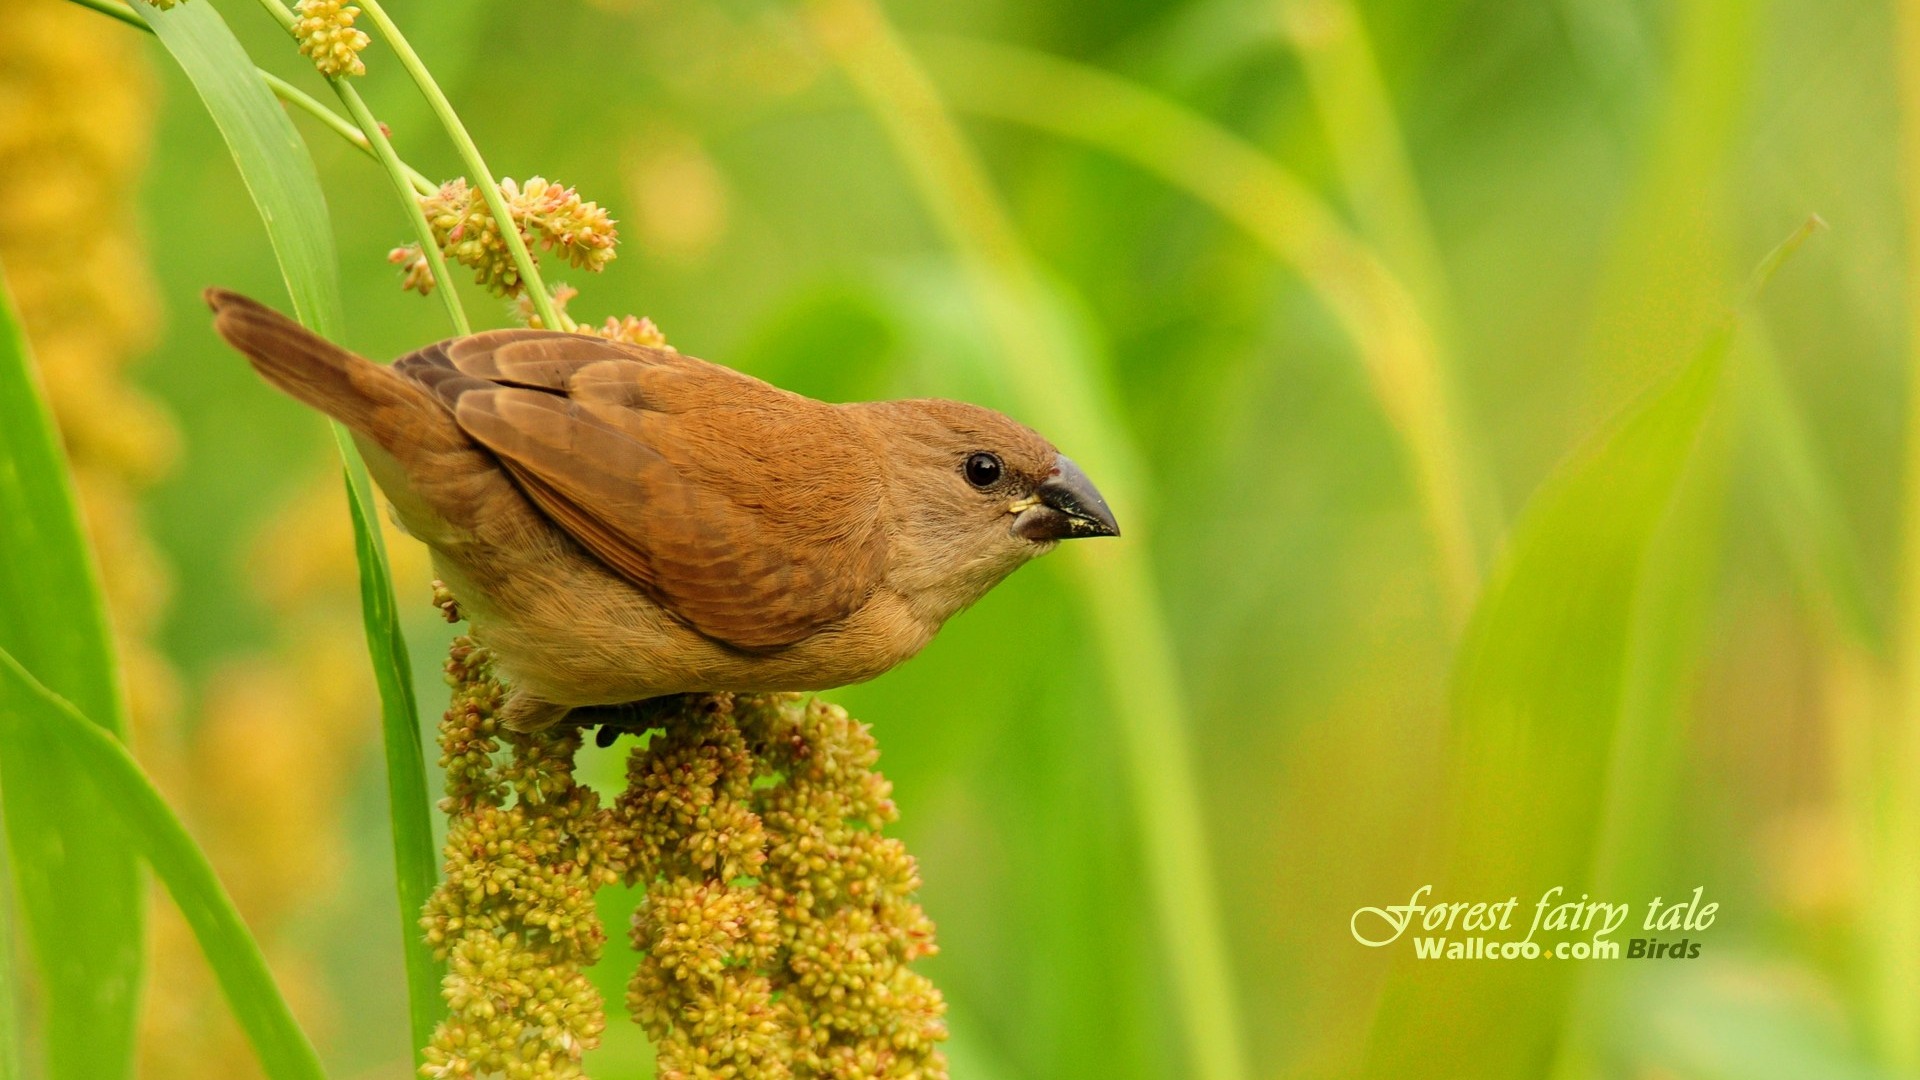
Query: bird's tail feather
x=353 y=390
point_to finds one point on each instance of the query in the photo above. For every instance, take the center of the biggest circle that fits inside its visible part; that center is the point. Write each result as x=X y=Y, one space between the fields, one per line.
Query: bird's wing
x=748 y=512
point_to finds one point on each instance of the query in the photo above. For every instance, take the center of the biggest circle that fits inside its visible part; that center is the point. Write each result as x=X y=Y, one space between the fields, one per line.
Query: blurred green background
x=1686 y=671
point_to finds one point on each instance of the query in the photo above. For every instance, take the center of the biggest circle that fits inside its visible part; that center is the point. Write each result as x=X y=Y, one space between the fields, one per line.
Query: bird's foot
x=631 y=717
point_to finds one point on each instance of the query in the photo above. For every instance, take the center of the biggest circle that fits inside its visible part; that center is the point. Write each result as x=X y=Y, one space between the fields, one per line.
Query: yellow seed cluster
x=547 y=215
x=708 y=937
x=630 y=329
x=514 y=916
x=843 y=893
x=778 y=930
x=779 y=924
x=633 y=331
x=327 y=36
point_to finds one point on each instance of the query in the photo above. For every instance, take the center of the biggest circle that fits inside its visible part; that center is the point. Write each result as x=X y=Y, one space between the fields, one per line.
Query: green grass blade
x=1803 y=505
x=280 y=175
x=416 y=862
x=1399 y=351
x=12 y=1058
x=1070 y=394
x=1538 y=692
x=157 y=835
x=272 y=159
x=12 y=1065
x=79 y=889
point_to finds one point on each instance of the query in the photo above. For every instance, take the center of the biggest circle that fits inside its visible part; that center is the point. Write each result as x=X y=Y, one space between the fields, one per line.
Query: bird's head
x=974 y=495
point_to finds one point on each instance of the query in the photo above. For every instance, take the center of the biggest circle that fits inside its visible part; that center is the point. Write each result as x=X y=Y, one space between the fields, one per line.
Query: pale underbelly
x=584 y=636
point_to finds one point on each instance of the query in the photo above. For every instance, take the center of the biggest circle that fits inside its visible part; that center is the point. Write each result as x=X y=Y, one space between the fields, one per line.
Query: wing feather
x=747 y=512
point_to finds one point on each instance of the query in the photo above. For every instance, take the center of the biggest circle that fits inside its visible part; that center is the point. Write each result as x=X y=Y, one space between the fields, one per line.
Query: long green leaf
x=80 y=893
x=280 y=175
x=1249 y=189
x=1071 y=396
x=110 y=772
x=272 y=159
x=1538 y=693
x=13 y=1065
x=414 y=859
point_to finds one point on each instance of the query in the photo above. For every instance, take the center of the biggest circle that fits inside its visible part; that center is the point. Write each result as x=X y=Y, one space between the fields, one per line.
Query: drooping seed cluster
x=708 y=936
x=328 y=37
x=546 y=214
x=778 y=929
x=514 y=916
x=779 y=924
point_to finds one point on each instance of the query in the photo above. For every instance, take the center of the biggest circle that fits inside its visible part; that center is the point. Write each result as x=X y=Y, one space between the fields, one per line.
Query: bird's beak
x=1066 y=505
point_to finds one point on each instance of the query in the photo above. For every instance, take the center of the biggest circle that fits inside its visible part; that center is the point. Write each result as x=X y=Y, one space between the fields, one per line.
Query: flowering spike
x=546 y=214
x=778 y=928
x=514 y=915
x=327 y=36
x=417 y=273
x=778 y=924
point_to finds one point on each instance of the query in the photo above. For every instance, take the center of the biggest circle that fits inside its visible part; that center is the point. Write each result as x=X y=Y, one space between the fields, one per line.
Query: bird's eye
x=983 y=470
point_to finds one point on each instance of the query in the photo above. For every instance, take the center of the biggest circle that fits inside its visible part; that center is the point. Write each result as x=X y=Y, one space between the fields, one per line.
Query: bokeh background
x=1345 y=284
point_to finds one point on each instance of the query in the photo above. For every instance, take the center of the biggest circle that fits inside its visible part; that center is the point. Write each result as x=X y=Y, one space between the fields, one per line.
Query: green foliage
x=1314 y=288
x=102 y=765
x=1542 y=681
x=79 y=888
x=280 y=176
x=269 y=153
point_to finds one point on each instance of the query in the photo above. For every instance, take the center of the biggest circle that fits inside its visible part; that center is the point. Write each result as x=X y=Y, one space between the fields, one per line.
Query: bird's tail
x=369 y=398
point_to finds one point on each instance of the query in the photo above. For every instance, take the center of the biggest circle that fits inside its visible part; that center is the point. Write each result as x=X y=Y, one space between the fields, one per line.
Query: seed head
x=327 y=36
x=548 y=216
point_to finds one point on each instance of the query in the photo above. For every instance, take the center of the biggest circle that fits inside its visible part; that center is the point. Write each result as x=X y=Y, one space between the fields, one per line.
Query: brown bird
x=622 y=523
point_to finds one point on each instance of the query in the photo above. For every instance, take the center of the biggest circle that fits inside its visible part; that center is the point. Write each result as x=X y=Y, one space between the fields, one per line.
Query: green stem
x=383 y=152
x=286 y=92
x=1398 y=349
x=312 y=106
x=470 y=154
x=407 y=180
x=402 y=185
x=1357 y=114
x=1067 y=392
x=117 y=10
x=282 y=14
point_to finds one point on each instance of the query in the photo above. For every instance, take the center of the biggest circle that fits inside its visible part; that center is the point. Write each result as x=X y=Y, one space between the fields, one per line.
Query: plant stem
x=117 y=10
x=407 y=180
x=282 y=14
x=403 y=186
x=1397 y=348
x=1357 y=114
x=290 y=94
x=340 y=126
x=1062 y=387
x=469 y=153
